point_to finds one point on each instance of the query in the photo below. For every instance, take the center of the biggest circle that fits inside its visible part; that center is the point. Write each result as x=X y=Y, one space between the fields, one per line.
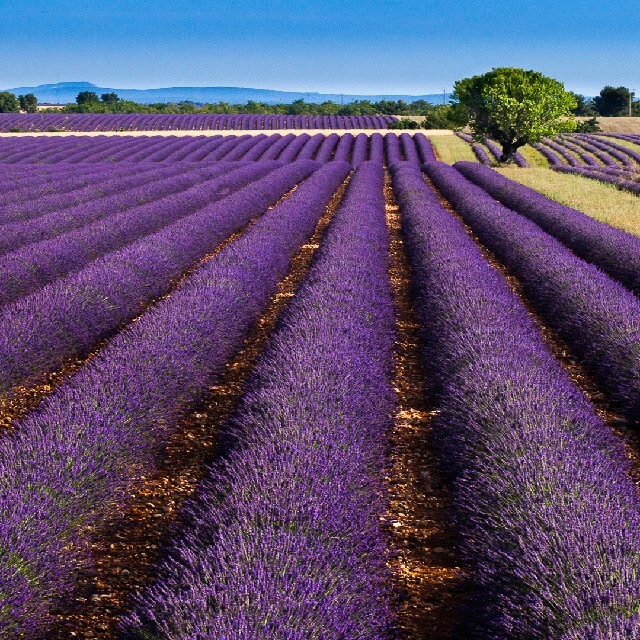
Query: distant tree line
x=9 y=103
x=612 y=101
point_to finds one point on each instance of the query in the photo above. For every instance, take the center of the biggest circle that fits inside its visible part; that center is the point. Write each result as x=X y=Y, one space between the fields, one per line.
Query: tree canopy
x=613 y=101
x=514 y=107
x=8 y=102
x=28 y=102
x=87 y=97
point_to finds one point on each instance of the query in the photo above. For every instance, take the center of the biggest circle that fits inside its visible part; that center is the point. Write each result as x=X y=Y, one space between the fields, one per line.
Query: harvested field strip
x=112 y=417
x=600 y=201
x=129 y=547
x=538 y=461
x=426 y=576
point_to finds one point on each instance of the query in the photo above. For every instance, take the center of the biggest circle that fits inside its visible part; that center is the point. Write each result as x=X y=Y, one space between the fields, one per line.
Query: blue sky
x=350 y=46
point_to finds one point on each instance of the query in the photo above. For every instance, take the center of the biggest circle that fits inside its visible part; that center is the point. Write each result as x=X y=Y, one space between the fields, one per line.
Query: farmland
x=297 y=385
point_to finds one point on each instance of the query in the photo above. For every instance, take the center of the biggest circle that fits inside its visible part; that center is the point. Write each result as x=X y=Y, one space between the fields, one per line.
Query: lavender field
x=184 y=122
x=313 y=387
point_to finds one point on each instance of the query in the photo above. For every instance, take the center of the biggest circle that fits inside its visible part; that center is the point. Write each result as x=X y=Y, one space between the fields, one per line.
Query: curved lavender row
x=198 y=146
x=608 y=155
x=109 y=420
x=587 y=158
x=553 y=158
x=478 y=149
x=284 y=539
x=66 y=319
x=327 y=148
x=610 y=144
x=602 y=176
x=256 y=151
x=343 y=149
x=392 y=150
x=244 y=147
x=547 y=514
x=311 y=147
x=291 y=151
x=33 y=266
x=376 y=148
x=425 y=148
x=359 y=150
x=159 y=183
x=565 y=154
x=276 y=149
x=614 y=251
x=163 y=122
x=595 y=315
x=409 y=148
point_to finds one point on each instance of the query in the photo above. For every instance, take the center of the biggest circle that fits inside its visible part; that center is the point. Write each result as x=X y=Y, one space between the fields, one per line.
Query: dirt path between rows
x=427 y=576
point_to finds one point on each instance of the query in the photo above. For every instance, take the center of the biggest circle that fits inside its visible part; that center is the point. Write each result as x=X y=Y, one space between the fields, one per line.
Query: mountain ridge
x=66 y=92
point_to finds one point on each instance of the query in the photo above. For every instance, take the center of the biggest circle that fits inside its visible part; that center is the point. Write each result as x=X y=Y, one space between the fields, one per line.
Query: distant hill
x=65 y=92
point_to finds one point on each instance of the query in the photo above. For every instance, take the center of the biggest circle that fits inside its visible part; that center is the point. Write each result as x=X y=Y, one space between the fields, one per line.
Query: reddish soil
x=427 y=577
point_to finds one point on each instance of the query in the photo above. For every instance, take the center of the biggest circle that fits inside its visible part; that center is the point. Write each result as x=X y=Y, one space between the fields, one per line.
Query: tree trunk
x=508 y=151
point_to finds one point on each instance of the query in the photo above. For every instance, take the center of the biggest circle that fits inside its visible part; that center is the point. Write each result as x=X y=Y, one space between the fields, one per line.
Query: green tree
x=584 y=106
x=613 y=101
x=86 y=98
x=514 y=107
x=28 y=103
x=8 y=102
x=108 y=98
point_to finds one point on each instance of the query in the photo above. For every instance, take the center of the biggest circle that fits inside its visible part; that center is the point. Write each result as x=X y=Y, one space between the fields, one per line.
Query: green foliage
x=584 y=105
x=109 y=98
x=514 y=107
x=86 y=99
x=588 y=126
x=613 y=101
x=28 y=103
x=8 y=102
x=15 y=129
x=404 y=123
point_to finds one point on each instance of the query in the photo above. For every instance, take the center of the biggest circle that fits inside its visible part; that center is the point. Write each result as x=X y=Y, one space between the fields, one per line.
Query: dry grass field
x=599 y=200
x=450 y=148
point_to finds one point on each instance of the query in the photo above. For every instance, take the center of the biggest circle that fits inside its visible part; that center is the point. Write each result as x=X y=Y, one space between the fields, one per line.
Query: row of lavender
x=284 y=539
x=102 y=149
x=66 y=464
x=545 y=507
x=546 y=510
x=597 y=157
x=185 y=122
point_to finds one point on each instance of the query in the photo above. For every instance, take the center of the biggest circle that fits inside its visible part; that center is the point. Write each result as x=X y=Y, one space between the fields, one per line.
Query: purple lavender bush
x=283 y=539
x=547 y=515
x=65 y=465
x=614 y=251
x=595 y=315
